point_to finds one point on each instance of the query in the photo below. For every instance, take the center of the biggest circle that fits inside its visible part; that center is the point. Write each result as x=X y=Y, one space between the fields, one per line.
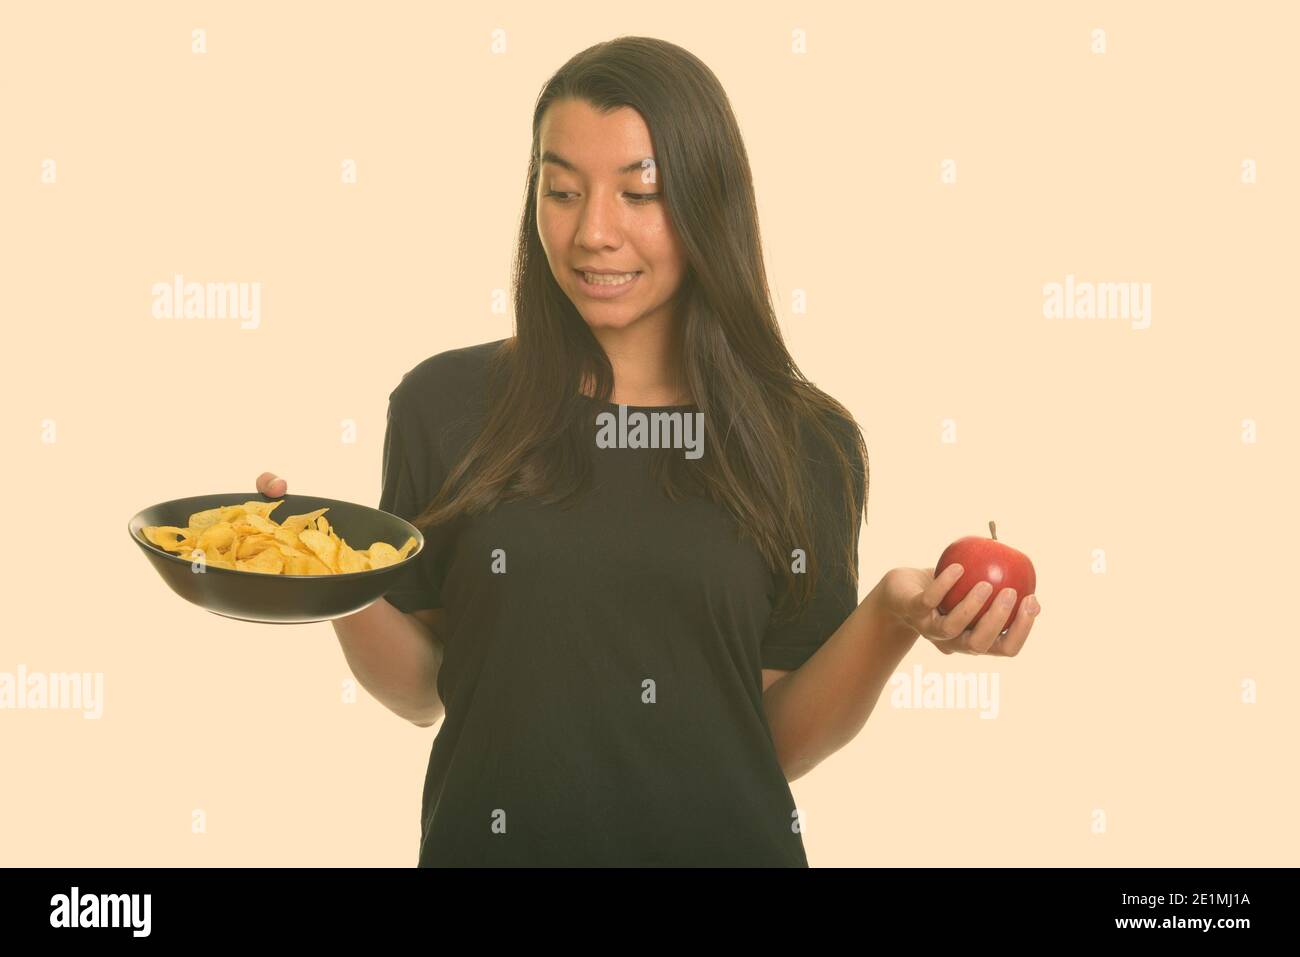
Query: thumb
x=271 y=485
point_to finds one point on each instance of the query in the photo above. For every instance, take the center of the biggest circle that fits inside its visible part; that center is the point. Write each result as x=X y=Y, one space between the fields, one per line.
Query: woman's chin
x=611 y=318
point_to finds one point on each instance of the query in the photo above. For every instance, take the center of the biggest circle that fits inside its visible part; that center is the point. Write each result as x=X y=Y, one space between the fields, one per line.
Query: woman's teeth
x=599 y=280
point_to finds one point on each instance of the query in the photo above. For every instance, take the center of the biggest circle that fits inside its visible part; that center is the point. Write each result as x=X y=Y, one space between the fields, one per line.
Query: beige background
x=1119 y=459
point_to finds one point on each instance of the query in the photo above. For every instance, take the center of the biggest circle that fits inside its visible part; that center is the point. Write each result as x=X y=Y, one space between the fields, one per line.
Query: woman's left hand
x=912 y=595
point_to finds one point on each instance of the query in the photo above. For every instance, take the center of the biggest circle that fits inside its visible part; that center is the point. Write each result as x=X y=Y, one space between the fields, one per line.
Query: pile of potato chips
x=244 y=538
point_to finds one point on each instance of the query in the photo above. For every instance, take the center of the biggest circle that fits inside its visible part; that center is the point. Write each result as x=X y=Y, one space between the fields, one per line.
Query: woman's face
x=598 y=208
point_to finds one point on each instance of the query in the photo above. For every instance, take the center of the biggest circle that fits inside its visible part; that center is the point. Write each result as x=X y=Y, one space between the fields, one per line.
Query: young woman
x=633 y=650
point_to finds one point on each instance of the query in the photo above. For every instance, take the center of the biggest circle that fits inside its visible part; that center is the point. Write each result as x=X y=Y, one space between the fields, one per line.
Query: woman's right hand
x=271 y=485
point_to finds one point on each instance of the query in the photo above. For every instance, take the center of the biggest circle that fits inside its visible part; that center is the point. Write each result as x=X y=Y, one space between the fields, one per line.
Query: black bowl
x=279 y=599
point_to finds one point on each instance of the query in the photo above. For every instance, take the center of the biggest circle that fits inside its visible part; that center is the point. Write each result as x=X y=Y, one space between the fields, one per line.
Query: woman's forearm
x=821 y=706
x=395 y=657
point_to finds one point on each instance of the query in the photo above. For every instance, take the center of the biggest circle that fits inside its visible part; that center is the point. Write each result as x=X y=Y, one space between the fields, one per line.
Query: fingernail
x=1032 y=605
x=983 y=589
x=1009 y=597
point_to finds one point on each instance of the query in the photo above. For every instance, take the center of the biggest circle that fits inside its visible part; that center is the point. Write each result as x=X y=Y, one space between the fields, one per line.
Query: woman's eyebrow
x=558 y=160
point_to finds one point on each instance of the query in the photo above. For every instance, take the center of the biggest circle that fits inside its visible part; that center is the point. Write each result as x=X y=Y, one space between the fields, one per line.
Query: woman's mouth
x=602 y=286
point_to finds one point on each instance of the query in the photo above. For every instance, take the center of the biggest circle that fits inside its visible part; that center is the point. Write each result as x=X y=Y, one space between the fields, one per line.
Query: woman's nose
x=598 y=222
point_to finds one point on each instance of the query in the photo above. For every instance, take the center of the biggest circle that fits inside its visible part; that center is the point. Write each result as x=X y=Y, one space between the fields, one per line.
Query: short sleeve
x=412 y=475
x=788 y=643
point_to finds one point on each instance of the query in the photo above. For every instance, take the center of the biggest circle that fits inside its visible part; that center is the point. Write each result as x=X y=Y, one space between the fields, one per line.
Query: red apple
x=986 y=560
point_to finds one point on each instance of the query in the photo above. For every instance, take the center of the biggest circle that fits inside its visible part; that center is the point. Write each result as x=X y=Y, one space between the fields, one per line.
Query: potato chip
x=216 y=537
x=350 y=560
x=267 y=561
x=251 y=546
x=296 y=523
x=164 y=536
x=322 y=546
x=381 y=554
x=245 y=538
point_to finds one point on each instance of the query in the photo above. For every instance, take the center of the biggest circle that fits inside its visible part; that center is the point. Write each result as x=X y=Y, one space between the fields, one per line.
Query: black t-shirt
x=603 y=696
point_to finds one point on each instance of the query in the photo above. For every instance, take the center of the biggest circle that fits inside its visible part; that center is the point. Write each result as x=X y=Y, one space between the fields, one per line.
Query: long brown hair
x=758 y=407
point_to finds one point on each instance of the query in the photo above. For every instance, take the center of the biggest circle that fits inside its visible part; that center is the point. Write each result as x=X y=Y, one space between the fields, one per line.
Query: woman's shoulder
x=823 y=459
x=448 y=378
x=839 y=422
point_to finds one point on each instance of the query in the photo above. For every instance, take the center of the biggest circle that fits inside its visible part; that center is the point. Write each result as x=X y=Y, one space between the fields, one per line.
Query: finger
x=934 y=592
x=994 y=620
x=271 y=485
x=1016 y=636
x=959 y=645
x=955 y=623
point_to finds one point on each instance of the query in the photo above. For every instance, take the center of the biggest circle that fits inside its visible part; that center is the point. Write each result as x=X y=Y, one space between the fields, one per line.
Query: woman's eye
x=563 y=197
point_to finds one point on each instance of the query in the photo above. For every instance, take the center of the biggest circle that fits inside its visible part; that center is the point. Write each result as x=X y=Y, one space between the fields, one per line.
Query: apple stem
x=994 y=529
